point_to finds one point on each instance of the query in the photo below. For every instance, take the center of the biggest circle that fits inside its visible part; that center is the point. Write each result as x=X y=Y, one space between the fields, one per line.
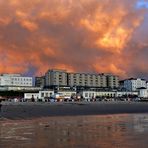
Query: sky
x=142 y=4
x=102 y=36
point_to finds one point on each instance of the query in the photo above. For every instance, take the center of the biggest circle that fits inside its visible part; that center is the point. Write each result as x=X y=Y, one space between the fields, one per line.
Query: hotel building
x=56 y=78
x=87 y=80
x=63 y=78
x=112 y=81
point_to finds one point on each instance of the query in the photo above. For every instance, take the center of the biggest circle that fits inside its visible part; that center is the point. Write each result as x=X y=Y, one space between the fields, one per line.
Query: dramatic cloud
x=78 y=35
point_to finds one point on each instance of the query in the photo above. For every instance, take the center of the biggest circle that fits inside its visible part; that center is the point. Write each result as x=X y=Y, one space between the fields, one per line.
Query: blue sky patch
x=142 y=4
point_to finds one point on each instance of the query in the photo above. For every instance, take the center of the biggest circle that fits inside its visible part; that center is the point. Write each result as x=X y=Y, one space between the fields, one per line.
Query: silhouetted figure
x=32 y=99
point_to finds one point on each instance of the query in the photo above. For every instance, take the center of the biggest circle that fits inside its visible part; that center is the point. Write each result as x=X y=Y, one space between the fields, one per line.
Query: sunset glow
x=77 y=35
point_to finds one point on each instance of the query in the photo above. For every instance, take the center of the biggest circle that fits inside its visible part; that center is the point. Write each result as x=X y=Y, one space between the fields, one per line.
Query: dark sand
x=29 y=110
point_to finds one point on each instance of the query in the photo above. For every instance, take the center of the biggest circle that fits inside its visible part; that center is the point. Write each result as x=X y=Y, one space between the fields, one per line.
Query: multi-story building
x=64 y=78
x=133 y=84
x=103 y=80
x=87 y=80
x=15 y=80
x=112 y=81
x=56 y=78
x=40 y=81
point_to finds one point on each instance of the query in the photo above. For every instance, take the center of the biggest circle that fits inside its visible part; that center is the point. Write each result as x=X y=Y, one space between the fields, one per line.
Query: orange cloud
x=110 y=29
x=31 y=26
x=5 y=21
x=84 y=35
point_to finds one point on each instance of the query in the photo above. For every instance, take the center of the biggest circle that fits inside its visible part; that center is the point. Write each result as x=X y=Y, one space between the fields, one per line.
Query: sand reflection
x=80 y=131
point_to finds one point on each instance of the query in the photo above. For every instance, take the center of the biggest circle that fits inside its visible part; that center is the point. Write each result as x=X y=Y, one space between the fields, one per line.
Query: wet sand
x=105 y=131
x=26 y=110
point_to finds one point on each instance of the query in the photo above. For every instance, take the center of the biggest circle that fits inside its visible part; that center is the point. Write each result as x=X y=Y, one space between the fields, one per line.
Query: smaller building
x=40 y=96
x=15 y=80
x=127 y=94
x=143 y=92
x=30 y=96
x=67 y=94
x=133 y=84
x=95 y=94
x=107 y=94
x=45 y=94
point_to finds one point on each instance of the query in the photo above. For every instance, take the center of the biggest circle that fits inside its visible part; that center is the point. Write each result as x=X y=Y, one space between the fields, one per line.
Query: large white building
x=133 y=84
x=15 y=80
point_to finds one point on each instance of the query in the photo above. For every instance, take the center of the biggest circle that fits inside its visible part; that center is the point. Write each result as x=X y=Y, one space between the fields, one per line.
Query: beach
x=26 y=110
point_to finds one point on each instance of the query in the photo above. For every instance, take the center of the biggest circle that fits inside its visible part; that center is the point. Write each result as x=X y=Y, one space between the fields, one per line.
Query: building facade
x=49 y=94
x=113 y=94
x=143 y=92
x=64 y=78
x=45 y=94
x=93 y=80
x=29 y=96
x=133 y=84
x=15 y=80
x=40 y=81
x=67 y=94
x=56 y=78
x=112 y=81
x=87 y=80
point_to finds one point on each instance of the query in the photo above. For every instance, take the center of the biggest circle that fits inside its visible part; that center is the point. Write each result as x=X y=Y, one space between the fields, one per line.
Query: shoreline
x=27 y=110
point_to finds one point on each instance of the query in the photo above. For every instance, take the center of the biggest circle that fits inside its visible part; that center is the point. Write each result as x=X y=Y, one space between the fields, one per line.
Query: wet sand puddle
x=79 y=131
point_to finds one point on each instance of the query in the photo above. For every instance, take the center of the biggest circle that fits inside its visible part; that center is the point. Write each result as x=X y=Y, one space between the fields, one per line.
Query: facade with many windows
x=64 y=78
x=15 y=80
x=87 y=80
x=113 y=94
x=113 y=81
x=56 y=78
x=133 y=84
